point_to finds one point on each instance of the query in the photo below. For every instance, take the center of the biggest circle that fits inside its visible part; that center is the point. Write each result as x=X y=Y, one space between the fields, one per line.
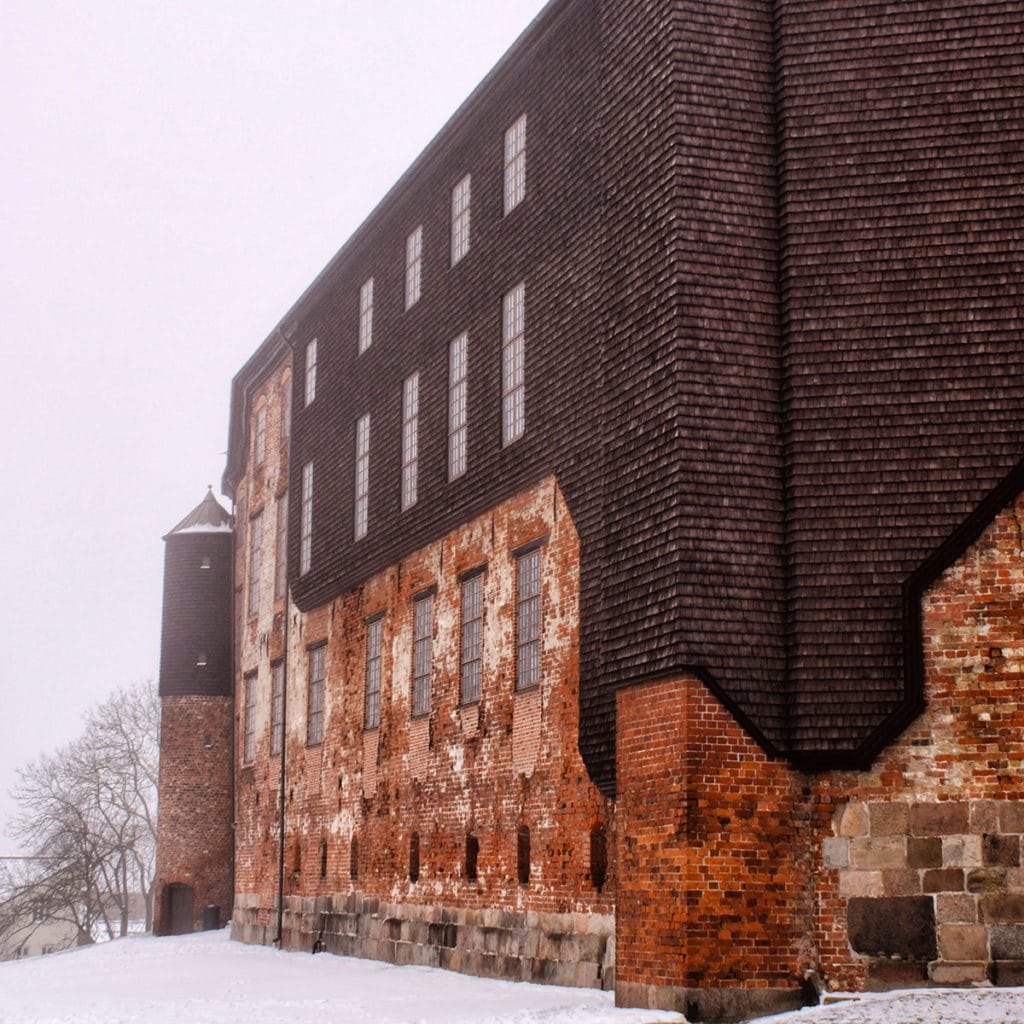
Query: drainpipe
x=279 y=939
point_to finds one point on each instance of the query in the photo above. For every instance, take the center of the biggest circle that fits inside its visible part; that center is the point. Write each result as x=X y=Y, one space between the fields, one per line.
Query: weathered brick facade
x=740 y=878
x=768 y=444
x=380 y=817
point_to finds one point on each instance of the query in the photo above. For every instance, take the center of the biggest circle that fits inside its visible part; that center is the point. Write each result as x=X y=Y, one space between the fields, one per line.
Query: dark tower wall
x=194 y=834
x=197 y=615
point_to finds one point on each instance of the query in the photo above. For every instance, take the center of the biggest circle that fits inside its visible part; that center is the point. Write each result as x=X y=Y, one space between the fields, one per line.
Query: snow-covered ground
x=207 y=979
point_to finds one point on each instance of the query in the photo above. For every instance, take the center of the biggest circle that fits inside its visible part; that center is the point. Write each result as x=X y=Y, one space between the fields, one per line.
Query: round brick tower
x=194 y=858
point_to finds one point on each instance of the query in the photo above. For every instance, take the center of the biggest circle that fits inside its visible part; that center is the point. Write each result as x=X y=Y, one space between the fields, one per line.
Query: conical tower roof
x=209 y=516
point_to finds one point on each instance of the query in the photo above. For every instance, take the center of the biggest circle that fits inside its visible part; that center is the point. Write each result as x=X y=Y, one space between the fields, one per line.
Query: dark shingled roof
x=209 y=516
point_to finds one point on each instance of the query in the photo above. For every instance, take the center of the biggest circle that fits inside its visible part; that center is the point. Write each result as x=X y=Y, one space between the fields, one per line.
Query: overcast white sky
x=173 y=175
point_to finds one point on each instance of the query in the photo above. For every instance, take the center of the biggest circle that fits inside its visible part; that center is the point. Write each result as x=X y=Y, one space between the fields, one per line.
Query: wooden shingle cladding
x=772 y=267
x=903 y=285
x=689 y=496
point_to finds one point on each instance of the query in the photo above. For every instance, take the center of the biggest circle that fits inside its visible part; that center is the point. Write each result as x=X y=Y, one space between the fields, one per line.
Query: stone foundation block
x=1011 y=816
x=963 y=942
x=885 y=974
x=939 y=819
x=870 y=854
x=1003 y=909
x=836 y=852
x=986 y=880
x=851 y=820
x=889 y=819
x=902 y=927
x=924 y=852
x=1008 y=972
x=1007 y=941
x=955 y=908
x=1001 y=851
x=942 y=973
x=943 y=880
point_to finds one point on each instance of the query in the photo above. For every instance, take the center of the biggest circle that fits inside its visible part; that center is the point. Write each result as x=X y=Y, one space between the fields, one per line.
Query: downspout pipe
x=279 y=938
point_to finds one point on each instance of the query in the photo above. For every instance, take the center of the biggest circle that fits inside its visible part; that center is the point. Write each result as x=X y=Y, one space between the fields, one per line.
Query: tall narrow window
x=286 y=409
x=311 y=371
x=366 y=315
x=249 y=721
x=260 y=439
x=413 y=267
x=457 y=406
x=528 y=619
x=513 y=355
x=472 y=856
x=472 y=637
x=598 y=857
x=422 y=652
x=523 y=854
x=306 y=521
x=460 y=220
x=255 y=543
x=414 y=857
x=410 y=438
x=281 y=548
x=276 y=707
x=315 y=704
x=374 y=634
x=515 y=164
x=362 y=509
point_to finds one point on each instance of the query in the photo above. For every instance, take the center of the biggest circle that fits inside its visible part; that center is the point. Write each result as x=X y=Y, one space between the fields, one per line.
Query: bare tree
x=88 y=815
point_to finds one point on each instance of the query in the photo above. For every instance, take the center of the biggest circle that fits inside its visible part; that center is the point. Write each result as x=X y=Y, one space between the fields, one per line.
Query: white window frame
x=461 y=199
x=458 y=408
x=529 y=619
x=255 y=545
x=513 y=364
x=311 y=371
x=306 y=521
x=515 y=164
x=366 y=315
x=410 y=439
x=362 y=489
x=260 y=440
x=374 y=653
x=471 y=636
x=315 y=698
x=249 y=720
x=422 y=651
x=276 y=707
x=286 y=409
x=281 y=548
x=413 y=266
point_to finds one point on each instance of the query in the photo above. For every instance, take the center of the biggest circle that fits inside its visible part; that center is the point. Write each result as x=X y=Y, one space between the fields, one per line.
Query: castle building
x=627 y=581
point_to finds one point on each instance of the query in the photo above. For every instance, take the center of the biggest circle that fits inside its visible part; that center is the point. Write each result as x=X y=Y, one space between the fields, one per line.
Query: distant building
x=627 y=582
x=31 y=927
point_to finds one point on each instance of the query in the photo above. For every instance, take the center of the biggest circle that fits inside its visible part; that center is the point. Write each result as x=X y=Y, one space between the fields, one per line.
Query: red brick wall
x=712 y=885
x=737 y=872
x=194 y=833
x=509 y=761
